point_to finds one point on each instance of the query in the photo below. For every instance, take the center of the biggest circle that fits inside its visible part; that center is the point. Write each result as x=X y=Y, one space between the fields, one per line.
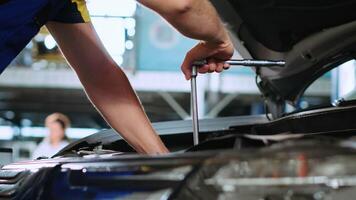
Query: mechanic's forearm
x=106 y=85
x=196 y=19
x=116 y=100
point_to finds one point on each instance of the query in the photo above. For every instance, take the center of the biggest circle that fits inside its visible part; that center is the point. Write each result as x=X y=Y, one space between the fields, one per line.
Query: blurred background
x=39 y=82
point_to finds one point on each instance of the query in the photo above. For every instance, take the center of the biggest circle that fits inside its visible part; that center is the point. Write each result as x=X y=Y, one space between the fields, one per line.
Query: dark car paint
x=311 y=36
x=122 y=176
x=102 y=174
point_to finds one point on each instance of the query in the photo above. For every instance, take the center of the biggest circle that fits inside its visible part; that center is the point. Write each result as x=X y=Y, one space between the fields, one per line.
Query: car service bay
x=278 y=124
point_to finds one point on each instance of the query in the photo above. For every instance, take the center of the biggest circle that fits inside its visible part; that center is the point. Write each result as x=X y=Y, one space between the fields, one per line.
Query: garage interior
x=278 y=121
x=39 y=82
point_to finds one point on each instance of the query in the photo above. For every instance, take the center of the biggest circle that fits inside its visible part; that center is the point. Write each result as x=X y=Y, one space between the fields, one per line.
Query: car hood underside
x=312 y=36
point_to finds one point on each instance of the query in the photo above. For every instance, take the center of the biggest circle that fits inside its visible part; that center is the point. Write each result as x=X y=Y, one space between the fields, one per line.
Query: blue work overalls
x=21 y=20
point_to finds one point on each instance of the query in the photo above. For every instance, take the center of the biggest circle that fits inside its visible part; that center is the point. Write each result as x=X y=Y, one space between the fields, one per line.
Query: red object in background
x=303 y=168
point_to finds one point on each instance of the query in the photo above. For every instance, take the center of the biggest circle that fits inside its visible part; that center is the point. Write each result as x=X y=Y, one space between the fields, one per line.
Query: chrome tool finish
x=194 y=105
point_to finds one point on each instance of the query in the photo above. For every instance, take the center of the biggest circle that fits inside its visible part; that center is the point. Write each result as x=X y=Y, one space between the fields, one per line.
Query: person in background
x=56 y=139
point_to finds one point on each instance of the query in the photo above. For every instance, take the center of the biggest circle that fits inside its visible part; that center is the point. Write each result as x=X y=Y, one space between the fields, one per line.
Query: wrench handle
x=248 y=63
x=194 y=103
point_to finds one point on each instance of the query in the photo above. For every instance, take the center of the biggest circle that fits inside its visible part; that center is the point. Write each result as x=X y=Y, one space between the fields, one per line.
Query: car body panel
x=311 y=36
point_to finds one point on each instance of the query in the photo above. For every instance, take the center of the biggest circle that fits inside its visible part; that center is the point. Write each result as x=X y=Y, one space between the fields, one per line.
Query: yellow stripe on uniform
x=82 y=8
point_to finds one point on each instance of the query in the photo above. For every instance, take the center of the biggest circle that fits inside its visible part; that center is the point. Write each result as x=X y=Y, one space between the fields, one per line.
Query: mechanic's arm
x=106 y=85
x=197 y=19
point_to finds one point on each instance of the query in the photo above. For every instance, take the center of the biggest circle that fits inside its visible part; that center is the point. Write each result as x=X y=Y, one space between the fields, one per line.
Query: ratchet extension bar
x=248 y=63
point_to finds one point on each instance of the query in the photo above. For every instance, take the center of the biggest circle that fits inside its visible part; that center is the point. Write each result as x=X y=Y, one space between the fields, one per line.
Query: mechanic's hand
x=215 y=54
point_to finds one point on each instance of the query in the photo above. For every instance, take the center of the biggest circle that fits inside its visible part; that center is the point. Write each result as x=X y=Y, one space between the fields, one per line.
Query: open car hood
x=312 y=36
